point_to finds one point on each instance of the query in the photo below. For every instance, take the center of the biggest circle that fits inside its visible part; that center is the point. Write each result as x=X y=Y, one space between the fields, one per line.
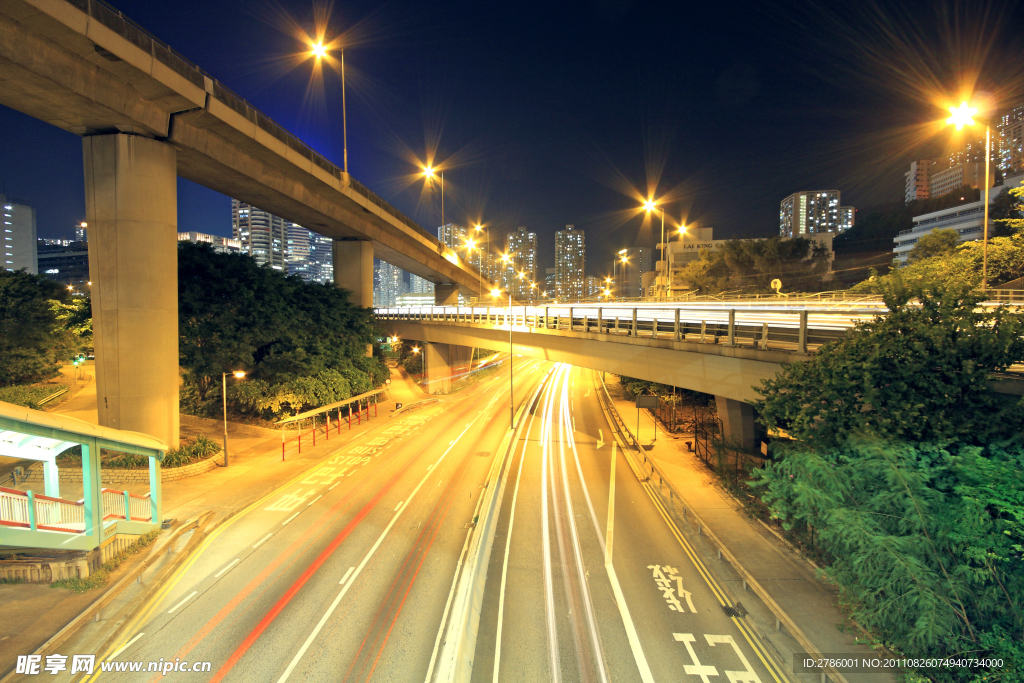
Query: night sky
x=545 y=114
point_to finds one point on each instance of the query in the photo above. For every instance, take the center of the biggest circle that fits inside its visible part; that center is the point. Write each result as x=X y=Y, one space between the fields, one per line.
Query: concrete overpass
x=720 y=348
x=148 y=114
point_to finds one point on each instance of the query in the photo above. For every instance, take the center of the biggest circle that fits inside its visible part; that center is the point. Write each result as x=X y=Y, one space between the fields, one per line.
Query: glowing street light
x=237 y=374
x=429 y=173
x=319 y=51
x=964 y=116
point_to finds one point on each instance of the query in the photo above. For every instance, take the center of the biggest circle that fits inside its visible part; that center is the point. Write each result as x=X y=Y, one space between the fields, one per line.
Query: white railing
x=51 y=514
x=113 y=504
x=766 y=326
x=140 y=507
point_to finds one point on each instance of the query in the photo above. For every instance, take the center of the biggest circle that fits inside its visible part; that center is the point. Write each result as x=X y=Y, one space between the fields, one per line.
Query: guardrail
x=675 y=502
x=130 y=507
x=798 y=330
x=362 y=402
x=26 y=510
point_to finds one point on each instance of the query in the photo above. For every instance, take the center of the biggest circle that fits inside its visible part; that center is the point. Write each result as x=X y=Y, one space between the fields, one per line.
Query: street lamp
x=429 y=173
x=511 y=403
x=964 y=116
x=624 y=259
x=319 y=52
x=239 y=374
x=650 y=206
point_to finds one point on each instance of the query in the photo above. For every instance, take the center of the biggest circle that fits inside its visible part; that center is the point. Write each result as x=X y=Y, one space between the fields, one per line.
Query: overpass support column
x=445 y=363
x=737 y=422
x=131 y=206
x=353 y=270
x=446 y=295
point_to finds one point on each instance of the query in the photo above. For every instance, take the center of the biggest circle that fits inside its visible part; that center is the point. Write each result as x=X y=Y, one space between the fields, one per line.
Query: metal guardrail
x=794 y=330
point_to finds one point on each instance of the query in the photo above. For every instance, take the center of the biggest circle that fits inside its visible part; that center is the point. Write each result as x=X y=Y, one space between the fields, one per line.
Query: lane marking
x=600 y=438
x=290 y=519
x=125 y=646
x=549 y=591
x=230 y=565
x=399 y=506
x=508 y=544
x=262 y=540
x=314 y=500
x=190 y=596
x=347 y=574
x=337 y=600
x=336 y=483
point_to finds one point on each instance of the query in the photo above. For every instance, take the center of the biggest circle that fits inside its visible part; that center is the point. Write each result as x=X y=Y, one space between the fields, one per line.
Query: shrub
x=28 y=396
x=99 y=578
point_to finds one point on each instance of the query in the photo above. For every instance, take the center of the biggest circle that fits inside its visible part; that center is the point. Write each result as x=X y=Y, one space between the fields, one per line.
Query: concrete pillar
x=446 y=295
x=445 y=363
x=737 y=422
x=353 y=269
x=131 y=206
x=51 y=479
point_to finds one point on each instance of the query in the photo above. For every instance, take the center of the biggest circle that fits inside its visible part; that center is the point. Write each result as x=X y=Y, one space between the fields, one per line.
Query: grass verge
x=99 y=578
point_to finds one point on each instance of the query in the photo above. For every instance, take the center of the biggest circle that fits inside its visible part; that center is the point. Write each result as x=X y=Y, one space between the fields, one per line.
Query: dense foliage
x=912 y=473
x=39 y=327
x=753 y=264
x=301 y=345
x=26 y=396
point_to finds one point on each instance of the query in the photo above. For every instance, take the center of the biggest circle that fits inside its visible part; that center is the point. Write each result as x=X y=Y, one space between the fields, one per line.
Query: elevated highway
x=147 y=114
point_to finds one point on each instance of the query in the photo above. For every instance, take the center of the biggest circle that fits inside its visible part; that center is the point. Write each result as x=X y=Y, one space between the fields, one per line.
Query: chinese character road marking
x=290 y=501
x=746 y=676
x=695 y=669
x=665 y=576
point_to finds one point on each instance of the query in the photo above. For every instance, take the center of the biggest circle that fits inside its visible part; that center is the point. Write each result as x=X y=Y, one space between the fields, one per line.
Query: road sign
x=647 y=402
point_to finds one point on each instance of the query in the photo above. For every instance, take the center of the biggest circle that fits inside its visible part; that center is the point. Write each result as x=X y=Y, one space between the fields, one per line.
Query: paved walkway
x=787 y=578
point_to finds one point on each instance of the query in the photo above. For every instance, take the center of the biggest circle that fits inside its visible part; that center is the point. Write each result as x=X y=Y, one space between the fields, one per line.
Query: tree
x=303 y=345
x=753 y=264
x=935 y=243
x=919 y=373
x=1007 y=211
x=33 y=341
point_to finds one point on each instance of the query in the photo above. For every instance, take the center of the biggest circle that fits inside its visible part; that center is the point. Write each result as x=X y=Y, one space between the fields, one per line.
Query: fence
x=26 y=510
x=324 y=430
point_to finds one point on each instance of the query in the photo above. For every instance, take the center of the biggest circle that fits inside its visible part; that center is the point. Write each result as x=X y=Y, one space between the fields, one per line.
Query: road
x=347 y=572
x=554 y=611
x=343 y=574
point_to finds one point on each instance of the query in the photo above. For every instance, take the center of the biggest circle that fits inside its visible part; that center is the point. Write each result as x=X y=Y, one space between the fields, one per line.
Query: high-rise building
x=418 y=285
x=916 y=180
x=296 y=255
x=82 y=232
x=321 y=258
x=63 y=261
x=953 y=178
x=389 y=284
x=847 y=216
x=522 y=270
x=550 y=283
x=221 y=245
x=19 y=236
x=807 y=212
x=1010 y=134
x=629 y=271
x=262 y=234
x=452 y=236
x=570 y=264
x=594 y=287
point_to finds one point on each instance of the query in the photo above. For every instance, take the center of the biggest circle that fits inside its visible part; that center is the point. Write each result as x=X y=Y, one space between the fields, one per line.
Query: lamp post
x=239 y=374
x=429 y=173
x=964 y=116
x=484 y=256
x=319 y=51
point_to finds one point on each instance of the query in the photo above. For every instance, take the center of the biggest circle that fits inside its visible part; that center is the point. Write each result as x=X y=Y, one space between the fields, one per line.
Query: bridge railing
x=797 y=330
x=24 y=509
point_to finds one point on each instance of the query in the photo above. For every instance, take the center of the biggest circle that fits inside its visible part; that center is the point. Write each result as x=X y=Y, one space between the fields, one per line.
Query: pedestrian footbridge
x=29 y=519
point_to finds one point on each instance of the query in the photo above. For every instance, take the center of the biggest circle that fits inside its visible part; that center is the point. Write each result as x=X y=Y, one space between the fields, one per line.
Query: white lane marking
x=337 y=600
x=347 y=574
x=262 y=540
x=600 y=438
x=314 y=500
x=508 y=544
x=610 y=538
x=549 y=591
x=337 y=482
x=588 y=603
x=747 y=676
x=290 y=519
x=189 y=597
x=230 y=565
x=124 y=647
x=695 y=669
x=399 y=507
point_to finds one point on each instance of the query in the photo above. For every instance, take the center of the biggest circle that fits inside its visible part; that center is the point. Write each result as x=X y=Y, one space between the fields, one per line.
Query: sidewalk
x=31 y=613
x=786 y=577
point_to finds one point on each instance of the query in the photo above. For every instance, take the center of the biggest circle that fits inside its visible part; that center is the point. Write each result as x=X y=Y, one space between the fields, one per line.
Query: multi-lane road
x=347 y=573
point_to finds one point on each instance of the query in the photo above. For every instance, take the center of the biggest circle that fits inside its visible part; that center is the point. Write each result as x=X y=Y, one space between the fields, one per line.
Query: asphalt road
x=554 y=611
x=343 y=574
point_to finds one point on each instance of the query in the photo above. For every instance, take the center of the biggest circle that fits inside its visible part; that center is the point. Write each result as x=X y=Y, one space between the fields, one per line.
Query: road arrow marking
x=600 y=438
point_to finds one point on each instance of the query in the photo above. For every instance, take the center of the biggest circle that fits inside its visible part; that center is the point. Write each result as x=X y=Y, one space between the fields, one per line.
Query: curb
x=782 y=618
x=78 y=622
